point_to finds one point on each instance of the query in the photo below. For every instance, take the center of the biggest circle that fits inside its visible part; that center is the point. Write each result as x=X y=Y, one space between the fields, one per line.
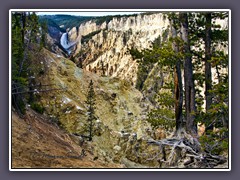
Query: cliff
x=109 y=43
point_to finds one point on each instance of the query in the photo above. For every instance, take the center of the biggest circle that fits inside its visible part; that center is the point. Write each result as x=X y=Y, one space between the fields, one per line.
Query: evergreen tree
x=190 y=106
x=91 y=101
x=178 y=89
x=208 y=68
x=204 y=29
x=19 y=80
x=33 y=27
x=218 y=110
x=26 y=37
x=44 y=31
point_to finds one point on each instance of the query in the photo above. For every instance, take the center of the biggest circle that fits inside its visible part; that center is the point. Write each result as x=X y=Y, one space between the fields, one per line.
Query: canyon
x=98 y=50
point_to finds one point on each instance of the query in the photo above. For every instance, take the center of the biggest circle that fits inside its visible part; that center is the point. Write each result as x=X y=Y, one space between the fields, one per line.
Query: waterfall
x=65 y=43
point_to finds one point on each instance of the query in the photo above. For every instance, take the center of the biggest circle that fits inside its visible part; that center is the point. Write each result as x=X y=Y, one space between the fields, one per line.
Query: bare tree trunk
x=208 y=72
x=190 y=108
x=178 y=91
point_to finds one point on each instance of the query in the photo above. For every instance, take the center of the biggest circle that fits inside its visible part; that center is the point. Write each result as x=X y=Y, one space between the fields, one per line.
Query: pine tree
x=91 y=101
x=25 y=37
x=218 y=111
x=44 y=31
x=208 y=68
x=204 y=28
x=19 y=81
x=190 y=105
x=178 y=89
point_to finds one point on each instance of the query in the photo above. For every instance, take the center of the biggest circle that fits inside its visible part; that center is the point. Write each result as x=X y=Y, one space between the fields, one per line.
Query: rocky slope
x=119 y=132
x=117 y=100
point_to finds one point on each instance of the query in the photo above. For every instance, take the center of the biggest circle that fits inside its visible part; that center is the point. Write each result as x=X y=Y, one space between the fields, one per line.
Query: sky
x=87 y=13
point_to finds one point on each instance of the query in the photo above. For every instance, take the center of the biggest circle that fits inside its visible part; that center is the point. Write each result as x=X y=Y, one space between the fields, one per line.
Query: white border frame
x=116 y=10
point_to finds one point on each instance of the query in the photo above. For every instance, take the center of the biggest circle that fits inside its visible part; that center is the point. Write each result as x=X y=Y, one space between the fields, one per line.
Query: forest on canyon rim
x=147 y=90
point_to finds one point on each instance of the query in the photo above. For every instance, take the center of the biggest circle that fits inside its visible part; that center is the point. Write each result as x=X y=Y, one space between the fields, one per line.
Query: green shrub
x=37 y=107
x=162 y=118
x=215 y=142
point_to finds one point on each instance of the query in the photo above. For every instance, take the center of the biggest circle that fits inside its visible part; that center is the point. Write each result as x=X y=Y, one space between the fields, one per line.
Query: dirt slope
x=38 y=144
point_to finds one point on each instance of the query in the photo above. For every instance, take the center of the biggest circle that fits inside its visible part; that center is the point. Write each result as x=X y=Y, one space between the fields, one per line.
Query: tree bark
x=208 y=72
x=190 y=107
x=178 y=91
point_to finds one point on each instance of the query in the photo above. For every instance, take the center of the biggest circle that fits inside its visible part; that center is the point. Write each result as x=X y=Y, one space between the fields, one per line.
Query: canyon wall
x=105 y=46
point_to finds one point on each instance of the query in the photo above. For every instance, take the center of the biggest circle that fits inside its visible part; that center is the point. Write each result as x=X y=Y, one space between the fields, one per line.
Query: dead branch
x=46 y=90
x=190 y=148
x=39 y=85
